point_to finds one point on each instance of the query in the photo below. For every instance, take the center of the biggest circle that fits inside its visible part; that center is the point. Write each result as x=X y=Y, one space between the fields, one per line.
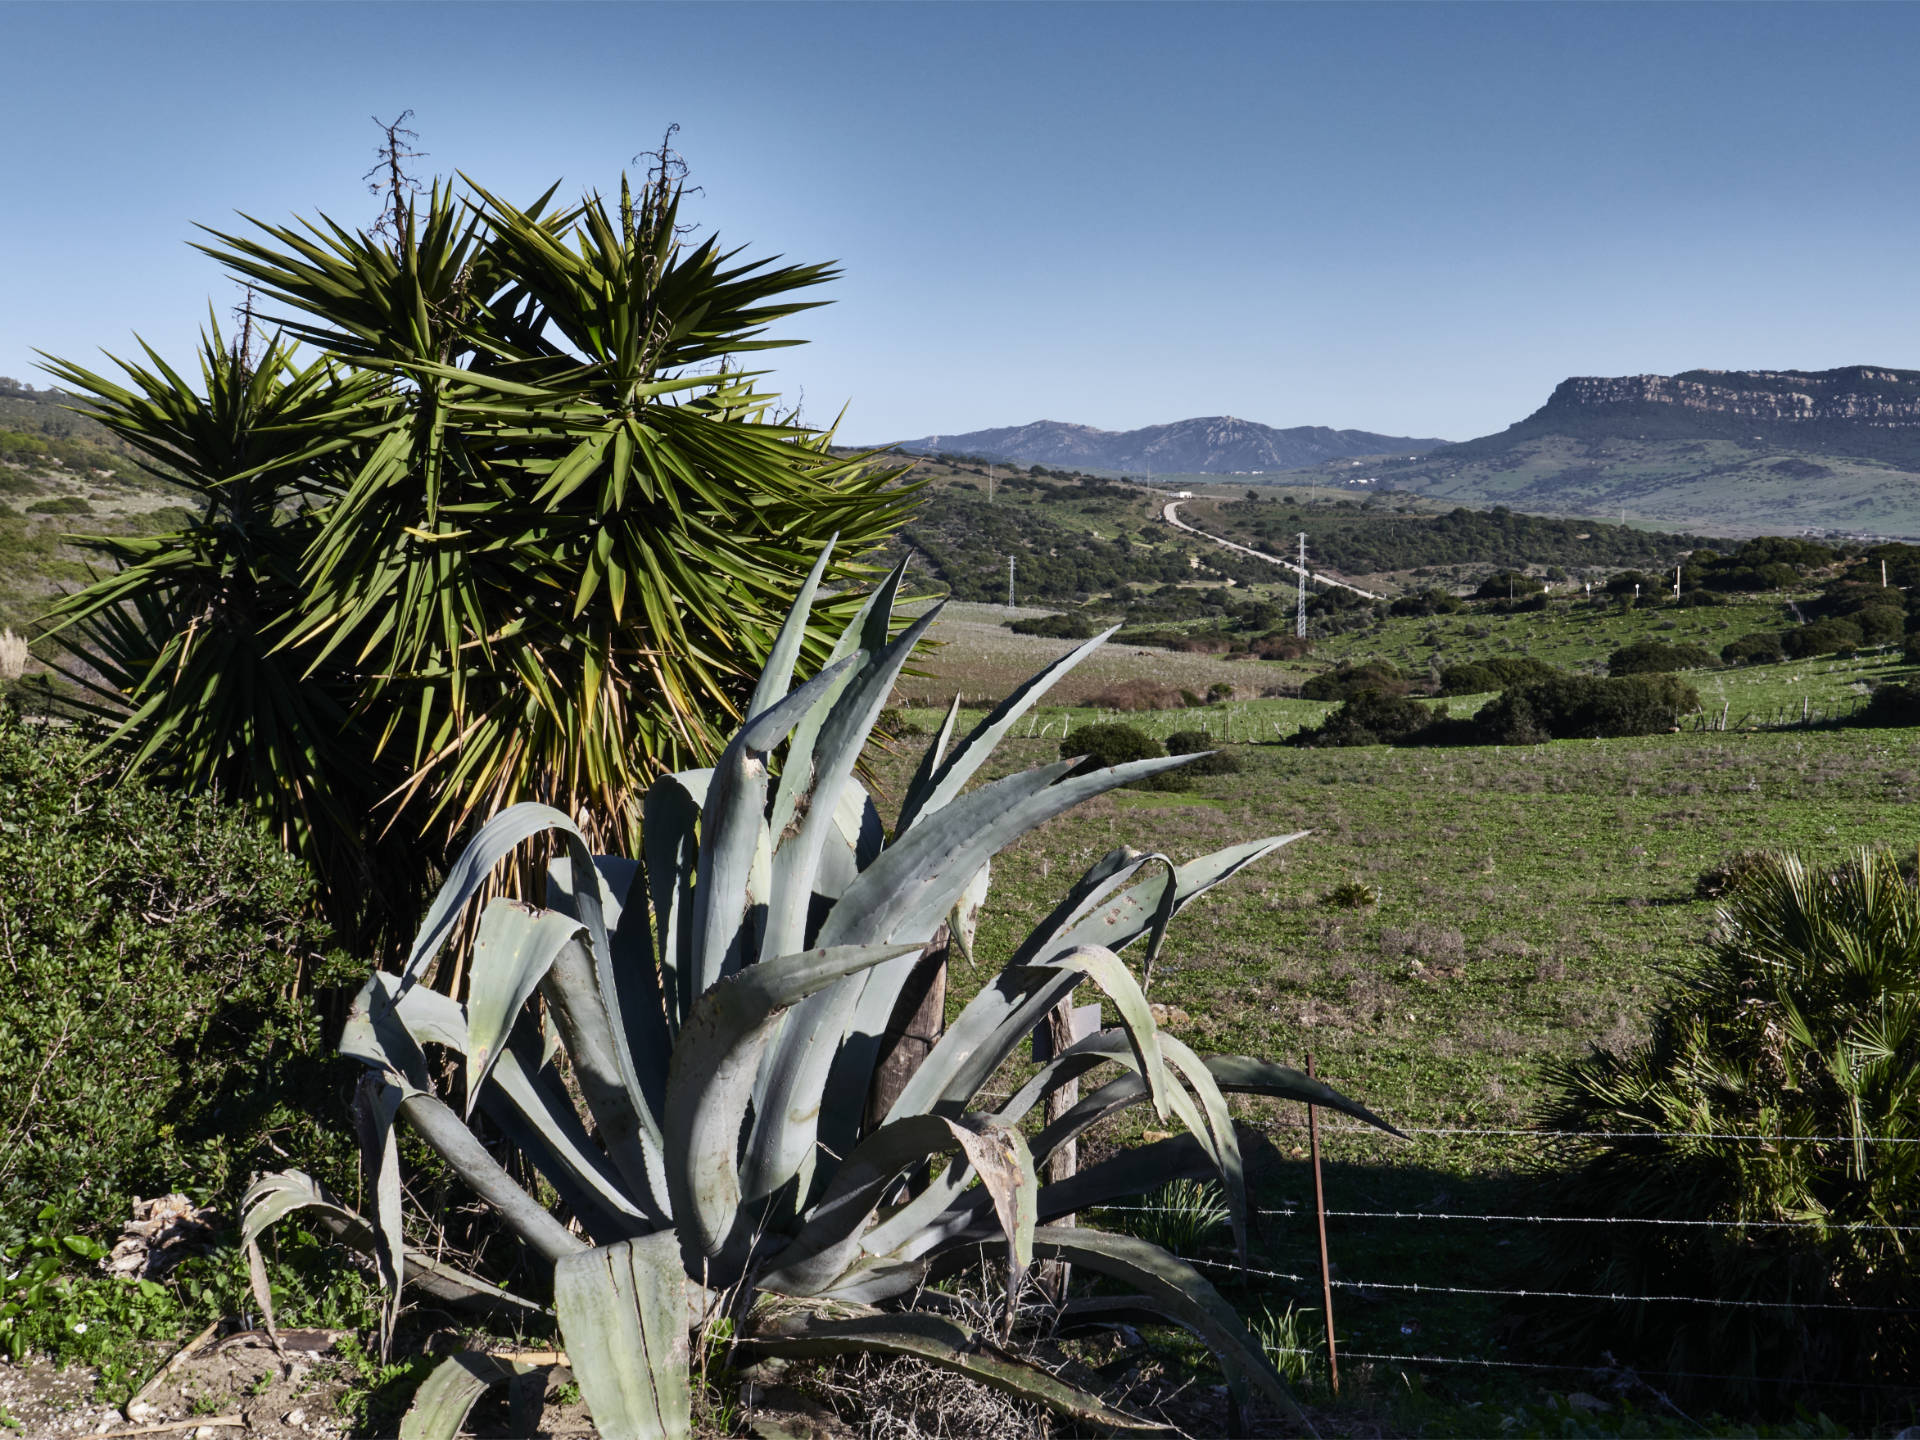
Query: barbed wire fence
x=1419 y=1359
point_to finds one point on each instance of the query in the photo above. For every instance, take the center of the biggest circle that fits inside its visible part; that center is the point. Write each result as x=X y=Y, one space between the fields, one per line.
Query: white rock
x=295 y=1417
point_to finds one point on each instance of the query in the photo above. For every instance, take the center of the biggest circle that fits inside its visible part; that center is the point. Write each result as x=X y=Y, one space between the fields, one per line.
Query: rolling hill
x=1211 y=445
x=1721 y=452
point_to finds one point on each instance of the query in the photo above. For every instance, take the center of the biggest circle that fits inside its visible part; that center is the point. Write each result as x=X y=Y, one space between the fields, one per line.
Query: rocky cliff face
x=1209 y=445
x=1854 y=395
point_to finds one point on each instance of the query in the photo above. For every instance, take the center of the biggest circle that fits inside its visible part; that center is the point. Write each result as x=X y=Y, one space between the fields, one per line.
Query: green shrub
x=1630 y=582
x=1801 y=1021
x=1346 y=680
x=1822 y=637
x=1372 y=718
x=1508 y=584
x=1762 y=649
x=1879 y=624
x=1113 y=743
x=1054 y=627
x=1212 y=761
x=147 y=1042
x=1477 y=677
x=1893 y=705
x=60 y=505
x=1571 y=707
x=1427 y=602
x=1653 y=657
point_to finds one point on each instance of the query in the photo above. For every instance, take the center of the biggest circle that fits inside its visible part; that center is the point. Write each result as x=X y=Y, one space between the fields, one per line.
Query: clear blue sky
x=1410 y=219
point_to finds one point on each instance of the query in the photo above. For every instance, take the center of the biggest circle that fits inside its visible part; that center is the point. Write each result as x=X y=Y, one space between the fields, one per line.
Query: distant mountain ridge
x=1865 y=410
x=1208 y=445
x=1740 y=451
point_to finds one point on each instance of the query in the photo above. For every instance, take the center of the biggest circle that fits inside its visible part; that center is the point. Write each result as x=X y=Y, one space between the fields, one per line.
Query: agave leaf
x=908 y=890
x=511 y=955
x=670 y=835
x=273 y=1197
x=936 y=751
x=490 y=844
x=866 y=632
x=377 y=1101
x=778 y=672
x=945 y=1342
x=623 y=1314
x=1225 y=1144
x=443 y=1130
x=821 y=1255
x=1186 y=1296
x=710 y=1086
x=635 y=973
x=903 y=895
x=441 y=1404
x=1242 y=1074
x=842 y=738
x=944 y=785
x=1002 y=1015
x=869 y=1280
x=731 y=824
x=1132 y=914
x=964 y=923
x=596 y=1043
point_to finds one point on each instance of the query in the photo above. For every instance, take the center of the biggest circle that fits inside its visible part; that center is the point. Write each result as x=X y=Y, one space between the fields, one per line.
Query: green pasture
x=1530 y=903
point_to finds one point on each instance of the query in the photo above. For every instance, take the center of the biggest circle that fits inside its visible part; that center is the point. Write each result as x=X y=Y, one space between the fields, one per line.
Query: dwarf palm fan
x=720 y=1001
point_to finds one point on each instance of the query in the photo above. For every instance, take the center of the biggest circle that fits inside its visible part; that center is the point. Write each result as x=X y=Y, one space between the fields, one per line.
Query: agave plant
x=720 y=1002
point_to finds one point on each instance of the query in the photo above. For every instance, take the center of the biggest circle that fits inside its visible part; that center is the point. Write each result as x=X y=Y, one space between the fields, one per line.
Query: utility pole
x=990 y=487
x=1676 y=582
x=1300 y=593
x=1009 y=582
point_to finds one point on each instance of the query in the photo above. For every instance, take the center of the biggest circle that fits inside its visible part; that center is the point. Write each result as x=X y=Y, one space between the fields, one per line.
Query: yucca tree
x=720 y=1001
x=187 y=642
x=578 y=524
x=1803 y=1020
x=517 y=525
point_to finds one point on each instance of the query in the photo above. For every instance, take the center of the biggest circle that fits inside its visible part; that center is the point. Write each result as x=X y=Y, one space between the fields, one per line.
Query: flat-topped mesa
x=1855 y=394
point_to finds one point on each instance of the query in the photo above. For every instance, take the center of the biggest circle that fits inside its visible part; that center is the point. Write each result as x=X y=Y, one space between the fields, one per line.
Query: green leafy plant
x=1353 y=895
x=1776 y=1095
x=724 y=1003
x=1294 y=1338
x=158 y=1025
x=1179 y=1217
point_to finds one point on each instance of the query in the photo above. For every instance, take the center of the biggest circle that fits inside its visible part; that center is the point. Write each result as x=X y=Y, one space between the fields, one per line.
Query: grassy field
x=1530 y=901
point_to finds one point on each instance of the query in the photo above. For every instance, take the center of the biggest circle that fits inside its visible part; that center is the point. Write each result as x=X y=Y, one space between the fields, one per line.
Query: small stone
x=294 y=1417
x=140 y=1412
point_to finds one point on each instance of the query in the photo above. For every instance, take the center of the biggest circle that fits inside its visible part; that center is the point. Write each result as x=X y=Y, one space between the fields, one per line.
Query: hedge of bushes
x=1557 y=707
x=158 y=1026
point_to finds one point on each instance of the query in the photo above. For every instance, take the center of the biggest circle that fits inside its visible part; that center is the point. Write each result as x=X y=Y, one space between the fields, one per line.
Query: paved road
x=1172 y=517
